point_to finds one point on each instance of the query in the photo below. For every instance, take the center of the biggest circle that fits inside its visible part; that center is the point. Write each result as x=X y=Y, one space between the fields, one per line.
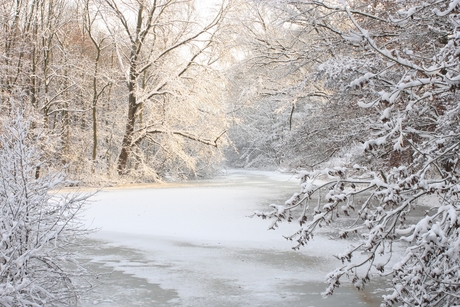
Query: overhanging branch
x=185 y=134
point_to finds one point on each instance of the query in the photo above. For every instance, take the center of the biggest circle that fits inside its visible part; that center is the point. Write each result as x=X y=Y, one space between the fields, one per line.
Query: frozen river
x=192 y=244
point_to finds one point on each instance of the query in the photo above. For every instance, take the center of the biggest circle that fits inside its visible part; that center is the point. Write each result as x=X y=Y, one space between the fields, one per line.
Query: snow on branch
x=38 y=225
x=185 y=134
x=401 y=207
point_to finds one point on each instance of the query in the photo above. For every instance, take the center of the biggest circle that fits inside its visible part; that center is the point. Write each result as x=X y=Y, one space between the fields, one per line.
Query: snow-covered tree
x=38 y=226
x=411 y=155
x=262 y=90
x=287 y=110
x=163 y=53
x=81 y=64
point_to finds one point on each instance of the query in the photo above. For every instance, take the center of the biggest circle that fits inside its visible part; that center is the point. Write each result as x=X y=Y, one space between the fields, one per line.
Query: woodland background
x=359 y=97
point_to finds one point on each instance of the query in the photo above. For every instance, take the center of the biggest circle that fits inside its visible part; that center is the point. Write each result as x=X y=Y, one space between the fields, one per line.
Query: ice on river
x=194 y=245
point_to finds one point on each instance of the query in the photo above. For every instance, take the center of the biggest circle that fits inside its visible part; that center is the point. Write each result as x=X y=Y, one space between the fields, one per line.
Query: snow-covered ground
x=194 y=245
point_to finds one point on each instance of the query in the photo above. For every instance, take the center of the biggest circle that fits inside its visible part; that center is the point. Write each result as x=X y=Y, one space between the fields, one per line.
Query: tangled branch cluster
x=413 y=154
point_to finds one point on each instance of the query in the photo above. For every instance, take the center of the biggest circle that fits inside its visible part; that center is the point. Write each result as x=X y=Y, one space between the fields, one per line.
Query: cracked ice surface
x=193 y=245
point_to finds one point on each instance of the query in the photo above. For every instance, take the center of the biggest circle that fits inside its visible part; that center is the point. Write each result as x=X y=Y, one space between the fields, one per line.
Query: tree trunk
x=129 y=131
x=94 y=105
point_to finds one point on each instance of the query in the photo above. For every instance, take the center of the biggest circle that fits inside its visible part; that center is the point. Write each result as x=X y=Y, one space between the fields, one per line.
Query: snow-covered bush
x=38 y=227
x=413 y=152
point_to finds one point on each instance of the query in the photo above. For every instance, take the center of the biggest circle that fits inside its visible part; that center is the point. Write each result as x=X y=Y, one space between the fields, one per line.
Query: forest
x=359 y=98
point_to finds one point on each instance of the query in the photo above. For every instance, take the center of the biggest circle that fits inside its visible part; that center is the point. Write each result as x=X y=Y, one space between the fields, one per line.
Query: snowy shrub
x=38 y=227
